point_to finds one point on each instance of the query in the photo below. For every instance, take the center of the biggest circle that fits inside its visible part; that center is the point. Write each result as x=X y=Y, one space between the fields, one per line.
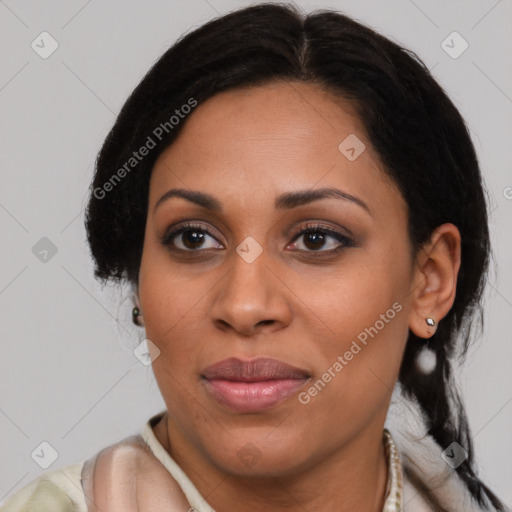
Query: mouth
x=252 y=386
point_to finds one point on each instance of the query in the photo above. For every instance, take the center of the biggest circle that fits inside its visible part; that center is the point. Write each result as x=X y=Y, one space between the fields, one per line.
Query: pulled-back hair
x=413 y=126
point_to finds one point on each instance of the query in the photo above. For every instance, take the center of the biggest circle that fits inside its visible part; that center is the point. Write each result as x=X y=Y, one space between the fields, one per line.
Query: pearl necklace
x=394 y=488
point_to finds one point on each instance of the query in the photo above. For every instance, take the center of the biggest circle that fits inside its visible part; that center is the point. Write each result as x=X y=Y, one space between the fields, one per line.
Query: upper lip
x=254 y=370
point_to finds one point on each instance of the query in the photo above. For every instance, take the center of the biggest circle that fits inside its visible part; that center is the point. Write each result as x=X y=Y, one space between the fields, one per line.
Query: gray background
x=68 y=374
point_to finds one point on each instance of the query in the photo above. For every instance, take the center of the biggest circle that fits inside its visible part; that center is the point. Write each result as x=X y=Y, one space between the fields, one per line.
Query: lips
x=252 y=386
x=252 y=371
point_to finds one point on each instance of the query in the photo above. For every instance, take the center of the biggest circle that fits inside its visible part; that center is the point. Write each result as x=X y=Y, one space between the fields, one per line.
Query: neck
x=351 y=478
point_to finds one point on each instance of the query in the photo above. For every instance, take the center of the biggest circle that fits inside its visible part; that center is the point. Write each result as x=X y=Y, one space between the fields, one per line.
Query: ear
x=435 y=279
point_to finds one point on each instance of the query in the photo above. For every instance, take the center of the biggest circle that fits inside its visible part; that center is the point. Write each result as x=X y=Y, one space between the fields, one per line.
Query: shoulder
x=116 y=476
x=135 y=469
x=128 y=472
x=55 y=491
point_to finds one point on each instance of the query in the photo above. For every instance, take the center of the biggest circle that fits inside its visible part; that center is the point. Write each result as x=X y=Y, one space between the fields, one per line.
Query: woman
x=299 y=209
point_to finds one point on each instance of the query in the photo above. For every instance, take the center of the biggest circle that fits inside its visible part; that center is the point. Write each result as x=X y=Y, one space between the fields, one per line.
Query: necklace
x=394 y=488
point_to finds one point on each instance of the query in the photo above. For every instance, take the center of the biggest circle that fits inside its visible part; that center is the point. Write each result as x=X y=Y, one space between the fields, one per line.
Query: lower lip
x=252 y=396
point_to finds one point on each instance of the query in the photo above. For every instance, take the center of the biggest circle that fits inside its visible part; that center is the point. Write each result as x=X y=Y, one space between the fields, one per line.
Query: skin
x=245 y=147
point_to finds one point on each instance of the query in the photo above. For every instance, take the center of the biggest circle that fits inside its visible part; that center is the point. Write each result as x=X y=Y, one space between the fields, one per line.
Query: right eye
x=190 y=236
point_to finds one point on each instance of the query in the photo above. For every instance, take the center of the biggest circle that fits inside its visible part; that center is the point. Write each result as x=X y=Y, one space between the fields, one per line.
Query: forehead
x=258 y=141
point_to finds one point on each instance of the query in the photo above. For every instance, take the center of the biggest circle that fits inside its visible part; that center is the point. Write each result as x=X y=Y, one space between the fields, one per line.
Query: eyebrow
x=287 y=200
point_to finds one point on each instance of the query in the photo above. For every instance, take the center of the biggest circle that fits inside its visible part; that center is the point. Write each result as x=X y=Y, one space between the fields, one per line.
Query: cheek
x=173 y=303
x=171 y=314
x=357 y=379
x=354 y=296
x=172 y=320
x=366 y=312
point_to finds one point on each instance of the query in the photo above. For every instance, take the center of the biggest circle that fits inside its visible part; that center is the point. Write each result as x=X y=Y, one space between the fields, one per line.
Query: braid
x=445 y=416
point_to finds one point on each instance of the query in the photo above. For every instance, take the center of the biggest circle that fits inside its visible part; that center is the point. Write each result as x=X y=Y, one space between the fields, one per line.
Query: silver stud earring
x=431 y=323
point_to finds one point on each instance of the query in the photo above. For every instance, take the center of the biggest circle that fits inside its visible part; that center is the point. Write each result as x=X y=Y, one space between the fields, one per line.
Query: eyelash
x=304 y=230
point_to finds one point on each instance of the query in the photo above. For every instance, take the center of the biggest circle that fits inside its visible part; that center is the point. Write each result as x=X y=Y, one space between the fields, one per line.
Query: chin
x=255 y=456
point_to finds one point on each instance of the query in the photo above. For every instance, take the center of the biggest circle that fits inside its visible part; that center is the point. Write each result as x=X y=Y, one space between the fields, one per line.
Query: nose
x=252 y=298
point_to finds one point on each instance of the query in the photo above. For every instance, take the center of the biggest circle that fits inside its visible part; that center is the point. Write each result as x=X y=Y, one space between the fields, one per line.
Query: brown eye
x=188 y=238
x=317 y=237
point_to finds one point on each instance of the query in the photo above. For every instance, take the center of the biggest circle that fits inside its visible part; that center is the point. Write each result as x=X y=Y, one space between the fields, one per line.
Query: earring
x=426 y=360
x=135 y=316
x=431 y=323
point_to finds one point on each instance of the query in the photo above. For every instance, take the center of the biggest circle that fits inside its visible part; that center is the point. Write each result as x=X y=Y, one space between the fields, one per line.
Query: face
x=243 y=280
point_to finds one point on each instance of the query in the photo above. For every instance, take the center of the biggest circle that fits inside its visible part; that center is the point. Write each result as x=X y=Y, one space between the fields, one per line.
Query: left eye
x=315 y=236
x=193 y=237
